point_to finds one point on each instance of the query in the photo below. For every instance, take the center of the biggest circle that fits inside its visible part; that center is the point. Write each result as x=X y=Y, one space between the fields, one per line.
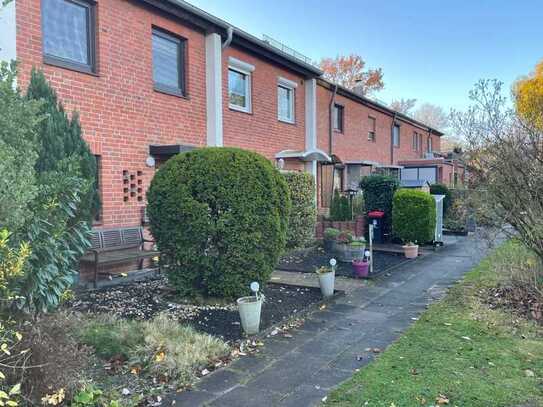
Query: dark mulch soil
x=145 y=299
x=523 y=300
x=306 y=261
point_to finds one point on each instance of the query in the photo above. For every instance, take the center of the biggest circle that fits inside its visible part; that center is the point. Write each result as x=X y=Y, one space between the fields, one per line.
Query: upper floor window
x=371 y=132
x=430 y=149
x=285 y=100
x=239 y=85
x=68 y=29
x=396 y=135
x=415 y=144
x=337 y=118
x=168 y=63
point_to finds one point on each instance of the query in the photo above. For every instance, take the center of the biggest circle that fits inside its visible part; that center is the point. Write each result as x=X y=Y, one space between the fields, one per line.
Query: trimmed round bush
x=413 y=216
x=303 y=214
x=219 y=217
x=440 y=189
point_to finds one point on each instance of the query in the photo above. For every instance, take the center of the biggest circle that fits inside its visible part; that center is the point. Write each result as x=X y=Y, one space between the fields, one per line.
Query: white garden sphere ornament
x=255 y=287
x=333 y=262
x=367 y=253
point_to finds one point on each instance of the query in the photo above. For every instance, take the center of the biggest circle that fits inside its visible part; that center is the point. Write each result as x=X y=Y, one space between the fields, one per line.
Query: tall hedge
x=413 y=216
x=303 y=215
x=220 y=218
x=378 y=194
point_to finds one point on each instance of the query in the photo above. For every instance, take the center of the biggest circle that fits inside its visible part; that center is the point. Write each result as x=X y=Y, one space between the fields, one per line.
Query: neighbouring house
x=435 y=169
x=153 y=78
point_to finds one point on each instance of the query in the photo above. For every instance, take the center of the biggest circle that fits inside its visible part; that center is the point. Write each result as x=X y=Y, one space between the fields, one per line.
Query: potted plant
x=249 y=310
x=411 y=250
x=360 y=267
x=327 y=278
x=330 y=236
x=342 y=246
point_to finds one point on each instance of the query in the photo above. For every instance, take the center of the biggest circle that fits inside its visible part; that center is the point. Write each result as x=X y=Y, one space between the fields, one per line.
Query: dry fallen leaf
x=442 y=399
x=529 y=373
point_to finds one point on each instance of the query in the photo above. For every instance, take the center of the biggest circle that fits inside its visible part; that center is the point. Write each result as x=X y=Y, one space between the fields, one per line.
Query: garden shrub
x=358 y=205
x=303 y=214
x=340 y=208
x=378 y=194
x=413 y=216
x=440 y=189
x=220 y=218
x=331 y=233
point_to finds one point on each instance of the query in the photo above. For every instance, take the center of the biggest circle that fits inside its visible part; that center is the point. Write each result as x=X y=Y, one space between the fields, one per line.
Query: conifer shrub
x=303 y=215
x=220 y=218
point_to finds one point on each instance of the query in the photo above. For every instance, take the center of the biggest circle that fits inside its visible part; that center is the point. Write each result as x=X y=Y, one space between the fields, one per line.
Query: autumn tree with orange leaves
x=349 y=71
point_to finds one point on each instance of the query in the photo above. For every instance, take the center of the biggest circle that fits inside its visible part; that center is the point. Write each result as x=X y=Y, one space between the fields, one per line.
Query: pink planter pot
x=411 y=252
x=360 y=268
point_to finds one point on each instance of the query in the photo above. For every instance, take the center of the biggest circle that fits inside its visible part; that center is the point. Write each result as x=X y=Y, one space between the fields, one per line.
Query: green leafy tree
x=60 y=140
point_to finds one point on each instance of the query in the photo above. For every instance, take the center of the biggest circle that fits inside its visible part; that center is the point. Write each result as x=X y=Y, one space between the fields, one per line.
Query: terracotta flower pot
x=411 y=251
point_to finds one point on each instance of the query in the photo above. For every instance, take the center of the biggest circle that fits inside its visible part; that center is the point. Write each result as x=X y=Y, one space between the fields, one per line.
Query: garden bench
x=117 y=246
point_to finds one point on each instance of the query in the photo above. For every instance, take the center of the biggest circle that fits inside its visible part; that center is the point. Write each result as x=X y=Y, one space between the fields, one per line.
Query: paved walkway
x=331 y=345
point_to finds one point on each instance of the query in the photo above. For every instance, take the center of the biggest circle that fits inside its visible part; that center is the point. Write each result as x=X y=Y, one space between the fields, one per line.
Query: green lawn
x=459 y=350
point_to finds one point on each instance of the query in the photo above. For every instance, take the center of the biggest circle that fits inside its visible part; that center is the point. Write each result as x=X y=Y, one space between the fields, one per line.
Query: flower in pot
x=411 y=250
x=249 y=310
x=330 y=236
x=327 y=278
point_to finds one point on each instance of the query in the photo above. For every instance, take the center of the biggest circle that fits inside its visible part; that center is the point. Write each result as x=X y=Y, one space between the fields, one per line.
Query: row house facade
x=153 y=78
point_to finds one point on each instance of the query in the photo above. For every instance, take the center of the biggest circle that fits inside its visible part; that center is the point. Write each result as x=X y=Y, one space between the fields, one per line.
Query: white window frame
x=291 y=87
x=246 y=69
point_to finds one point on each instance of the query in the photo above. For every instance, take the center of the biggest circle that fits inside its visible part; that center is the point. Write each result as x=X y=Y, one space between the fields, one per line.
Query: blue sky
x=433 y=51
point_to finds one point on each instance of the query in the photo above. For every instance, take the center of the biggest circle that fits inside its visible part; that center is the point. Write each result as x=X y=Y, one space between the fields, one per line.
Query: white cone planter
x=326 y=282
x=249 y=313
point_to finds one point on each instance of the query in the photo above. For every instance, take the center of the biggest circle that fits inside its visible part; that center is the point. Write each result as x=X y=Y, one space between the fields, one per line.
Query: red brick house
x=152 y=78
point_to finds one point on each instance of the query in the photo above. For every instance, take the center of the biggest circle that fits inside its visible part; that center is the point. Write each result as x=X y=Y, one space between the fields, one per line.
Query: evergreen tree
x=62 y=147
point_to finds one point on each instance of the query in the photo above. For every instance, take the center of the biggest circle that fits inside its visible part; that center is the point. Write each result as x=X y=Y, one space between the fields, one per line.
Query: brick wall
x=121 y=114
x=260 y=130
x=353 y=144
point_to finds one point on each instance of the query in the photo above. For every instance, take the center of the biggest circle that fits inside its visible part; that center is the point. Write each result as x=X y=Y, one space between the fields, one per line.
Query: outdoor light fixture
x=150 y=161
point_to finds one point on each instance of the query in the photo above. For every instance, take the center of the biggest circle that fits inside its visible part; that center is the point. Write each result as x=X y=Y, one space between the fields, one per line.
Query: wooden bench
x=117 y=246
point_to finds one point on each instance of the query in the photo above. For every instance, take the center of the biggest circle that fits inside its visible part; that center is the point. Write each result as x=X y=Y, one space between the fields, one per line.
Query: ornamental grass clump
x=219 y=217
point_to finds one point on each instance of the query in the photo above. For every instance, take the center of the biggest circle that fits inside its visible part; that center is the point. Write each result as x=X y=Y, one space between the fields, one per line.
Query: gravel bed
x=145 y=299
x=306 y=261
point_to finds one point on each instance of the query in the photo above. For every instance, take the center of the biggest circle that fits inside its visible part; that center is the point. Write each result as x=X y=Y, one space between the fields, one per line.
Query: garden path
x=337 y=341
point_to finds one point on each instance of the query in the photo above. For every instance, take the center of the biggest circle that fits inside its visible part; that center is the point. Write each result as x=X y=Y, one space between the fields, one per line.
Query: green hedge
x=440 y=189
x=378 y=193
x=220 y=217
x=303 y=215
x=413 y=216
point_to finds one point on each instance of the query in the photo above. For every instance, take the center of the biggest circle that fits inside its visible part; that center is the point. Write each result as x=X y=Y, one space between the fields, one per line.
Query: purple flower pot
x=360 y=268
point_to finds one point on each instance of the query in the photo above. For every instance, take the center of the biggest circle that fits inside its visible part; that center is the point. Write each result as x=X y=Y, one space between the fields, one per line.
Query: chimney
x=358 y=87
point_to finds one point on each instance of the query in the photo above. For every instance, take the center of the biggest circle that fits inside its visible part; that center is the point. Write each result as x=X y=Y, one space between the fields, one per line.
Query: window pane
x=65 y=31
x=396 y=135
x=166 y=61
x=284 y=103
x=237 y=88
x=409 y=173
x=427 y=174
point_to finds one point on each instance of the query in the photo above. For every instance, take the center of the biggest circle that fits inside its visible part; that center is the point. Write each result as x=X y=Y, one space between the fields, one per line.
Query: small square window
x=285 y=104
x=396 y=136
x=68 y=29
x=239 y=90
x=371 y=132
x=168 y=63
x=337 y=118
